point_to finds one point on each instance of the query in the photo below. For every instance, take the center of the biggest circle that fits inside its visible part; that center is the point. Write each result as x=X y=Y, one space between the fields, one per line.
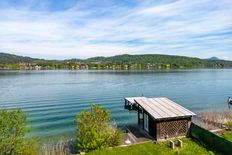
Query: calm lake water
x=53 y=98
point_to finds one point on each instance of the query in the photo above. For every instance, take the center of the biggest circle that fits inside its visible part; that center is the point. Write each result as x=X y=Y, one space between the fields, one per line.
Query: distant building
x=37 y=67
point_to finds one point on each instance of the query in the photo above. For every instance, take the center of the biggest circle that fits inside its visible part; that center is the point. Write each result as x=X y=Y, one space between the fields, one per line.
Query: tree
x=94 y=130
x=12 y=133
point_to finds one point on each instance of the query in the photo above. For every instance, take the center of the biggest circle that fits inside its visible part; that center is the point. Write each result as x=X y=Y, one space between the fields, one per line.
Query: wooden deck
x=136 y=134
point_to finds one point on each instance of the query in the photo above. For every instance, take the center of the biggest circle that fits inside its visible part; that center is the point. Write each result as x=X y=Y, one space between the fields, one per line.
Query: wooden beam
x=138 y=117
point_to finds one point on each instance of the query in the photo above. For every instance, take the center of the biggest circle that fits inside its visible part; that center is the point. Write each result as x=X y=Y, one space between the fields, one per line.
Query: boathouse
x=162 y=118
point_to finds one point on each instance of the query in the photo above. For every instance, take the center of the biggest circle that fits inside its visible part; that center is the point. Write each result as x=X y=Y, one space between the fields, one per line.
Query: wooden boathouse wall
x=166 y=119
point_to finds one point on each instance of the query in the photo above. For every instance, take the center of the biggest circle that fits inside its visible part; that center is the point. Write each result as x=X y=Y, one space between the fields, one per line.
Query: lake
x=53 y=98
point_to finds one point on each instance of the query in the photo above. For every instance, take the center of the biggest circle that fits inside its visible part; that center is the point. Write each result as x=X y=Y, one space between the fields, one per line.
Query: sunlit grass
x=227 y=135
x=190 y=147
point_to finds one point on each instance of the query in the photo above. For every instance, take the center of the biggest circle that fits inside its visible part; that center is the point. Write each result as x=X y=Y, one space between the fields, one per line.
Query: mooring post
x=171 y=144
x=180 y=143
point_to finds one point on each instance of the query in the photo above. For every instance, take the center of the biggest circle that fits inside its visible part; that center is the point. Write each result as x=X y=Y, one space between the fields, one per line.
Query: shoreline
x=137 y=69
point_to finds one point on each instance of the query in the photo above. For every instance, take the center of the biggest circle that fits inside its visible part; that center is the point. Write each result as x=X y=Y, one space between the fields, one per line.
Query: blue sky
x=85 y=28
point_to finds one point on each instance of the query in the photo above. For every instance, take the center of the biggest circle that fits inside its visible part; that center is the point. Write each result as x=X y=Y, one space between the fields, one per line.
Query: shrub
x=116 y=138
x=29 y=147
x=229 y=125
x=94 y=130
x=12 y=133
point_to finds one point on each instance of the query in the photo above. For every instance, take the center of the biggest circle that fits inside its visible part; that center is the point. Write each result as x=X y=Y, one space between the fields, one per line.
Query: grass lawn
x=227 y=135
x=190 y=147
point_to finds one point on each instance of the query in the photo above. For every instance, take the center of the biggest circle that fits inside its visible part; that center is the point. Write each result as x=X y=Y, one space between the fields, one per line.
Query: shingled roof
x=162 y=108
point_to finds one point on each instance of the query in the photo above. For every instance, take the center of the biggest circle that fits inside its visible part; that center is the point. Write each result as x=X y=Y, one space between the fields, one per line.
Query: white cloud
x=192 y=28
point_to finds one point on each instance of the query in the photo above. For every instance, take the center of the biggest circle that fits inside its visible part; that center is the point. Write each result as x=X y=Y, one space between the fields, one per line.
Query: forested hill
x=175 y=61
x=148 y=61
x=10 y=59
x=144 y=59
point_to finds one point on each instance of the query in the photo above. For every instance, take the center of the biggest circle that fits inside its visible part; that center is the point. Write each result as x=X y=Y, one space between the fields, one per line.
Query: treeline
x=119 y=62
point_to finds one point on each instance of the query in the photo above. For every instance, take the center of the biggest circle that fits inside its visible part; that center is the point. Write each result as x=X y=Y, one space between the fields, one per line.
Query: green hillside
x=10 y=59
x=146 y=61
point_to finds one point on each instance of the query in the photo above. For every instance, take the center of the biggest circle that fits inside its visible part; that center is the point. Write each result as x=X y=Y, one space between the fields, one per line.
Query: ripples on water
x=53 y=98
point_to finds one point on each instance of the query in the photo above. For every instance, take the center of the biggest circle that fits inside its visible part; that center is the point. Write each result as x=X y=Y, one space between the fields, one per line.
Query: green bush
x=12 y=134
x=229 y=125
x=116 y=138
x=94 y=130
x=29 y=147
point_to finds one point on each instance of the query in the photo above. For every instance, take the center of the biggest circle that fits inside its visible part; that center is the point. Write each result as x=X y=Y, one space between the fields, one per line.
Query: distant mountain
x=6 y=58
x=214 y=58
x=8 y=61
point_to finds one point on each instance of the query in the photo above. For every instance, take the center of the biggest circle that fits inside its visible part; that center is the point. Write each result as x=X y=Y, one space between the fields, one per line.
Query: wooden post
x=143 y=119
x=180 y=143
x=126 y=104
x=138 y=116
x=171 y=144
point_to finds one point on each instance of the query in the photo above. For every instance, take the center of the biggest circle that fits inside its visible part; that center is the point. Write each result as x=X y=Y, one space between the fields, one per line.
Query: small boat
x=229 y=102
